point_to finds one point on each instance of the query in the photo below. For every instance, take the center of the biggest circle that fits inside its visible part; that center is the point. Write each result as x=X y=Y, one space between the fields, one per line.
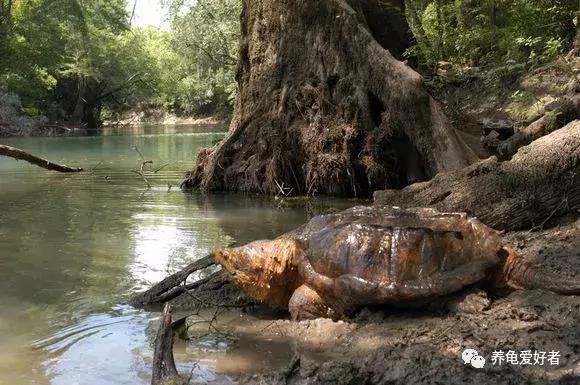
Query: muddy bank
x=423 y=345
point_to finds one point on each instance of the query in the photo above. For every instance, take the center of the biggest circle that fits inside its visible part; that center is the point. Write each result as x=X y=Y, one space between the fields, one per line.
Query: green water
x=73 y=247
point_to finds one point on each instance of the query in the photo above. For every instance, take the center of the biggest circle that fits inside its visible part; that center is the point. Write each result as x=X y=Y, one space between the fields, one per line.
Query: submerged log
x=22 y=155
x=540 y=182
x=325 y=108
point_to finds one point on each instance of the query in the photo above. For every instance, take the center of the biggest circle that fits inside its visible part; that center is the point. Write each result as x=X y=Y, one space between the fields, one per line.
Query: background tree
x=205 y=35
x=78 y=61
x=470 y=32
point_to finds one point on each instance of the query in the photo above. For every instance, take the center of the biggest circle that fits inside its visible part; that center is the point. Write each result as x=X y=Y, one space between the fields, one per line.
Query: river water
x=73 y=247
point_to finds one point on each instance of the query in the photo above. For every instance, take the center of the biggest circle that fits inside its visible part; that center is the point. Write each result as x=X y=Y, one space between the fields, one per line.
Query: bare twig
x=161 y=168
x=144 y=163
x=138 y=152
x=96 y=166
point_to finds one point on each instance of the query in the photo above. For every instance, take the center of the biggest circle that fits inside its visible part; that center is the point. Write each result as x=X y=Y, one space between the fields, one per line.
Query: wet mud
x=424 y=345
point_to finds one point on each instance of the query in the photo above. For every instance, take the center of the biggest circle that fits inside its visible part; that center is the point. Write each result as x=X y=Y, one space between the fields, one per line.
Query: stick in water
x=164 y=370
x=22 y=155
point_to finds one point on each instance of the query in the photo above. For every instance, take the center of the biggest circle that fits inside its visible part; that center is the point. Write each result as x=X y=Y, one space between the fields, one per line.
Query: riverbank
x=158 y=116
x=493 y=103
x=424 y=345
x=15 y=122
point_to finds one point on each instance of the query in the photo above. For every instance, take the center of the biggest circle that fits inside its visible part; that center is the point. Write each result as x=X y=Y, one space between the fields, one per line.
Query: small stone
x=474 y=303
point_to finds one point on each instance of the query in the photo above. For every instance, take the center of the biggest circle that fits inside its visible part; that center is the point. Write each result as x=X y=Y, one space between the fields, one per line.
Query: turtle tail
x=521 y=274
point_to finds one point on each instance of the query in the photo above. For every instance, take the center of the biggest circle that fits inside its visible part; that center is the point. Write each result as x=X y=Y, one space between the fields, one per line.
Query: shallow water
x=73 y=247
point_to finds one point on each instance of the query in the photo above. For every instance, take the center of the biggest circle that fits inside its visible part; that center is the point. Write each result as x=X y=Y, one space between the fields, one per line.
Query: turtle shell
x=391 y=247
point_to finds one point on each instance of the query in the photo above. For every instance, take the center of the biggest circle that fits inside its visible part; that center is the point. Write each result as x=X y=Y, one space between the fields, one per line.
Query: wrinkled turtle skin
x=338 y=263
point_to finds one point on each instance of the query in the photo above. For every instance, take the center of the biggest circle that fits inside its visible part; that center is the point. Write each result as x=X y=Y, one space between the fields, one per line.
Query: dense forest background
x=82 y=61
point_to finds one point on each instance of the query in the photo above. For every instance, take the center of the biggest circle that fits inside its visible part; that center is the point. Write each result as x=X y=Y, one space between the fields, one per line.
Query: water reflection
x=72 y=247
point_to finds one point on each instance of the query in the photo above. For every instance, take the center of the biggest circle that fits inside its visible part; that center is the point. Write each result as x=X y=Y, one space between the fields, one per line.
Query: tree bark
x=540 y=183
x=325 y=108
x=22 y=155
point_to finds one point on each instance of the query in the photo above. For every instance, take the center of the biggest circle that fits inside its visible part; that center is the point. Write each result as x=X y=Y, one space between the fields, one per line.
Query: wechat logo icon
x=472 y=357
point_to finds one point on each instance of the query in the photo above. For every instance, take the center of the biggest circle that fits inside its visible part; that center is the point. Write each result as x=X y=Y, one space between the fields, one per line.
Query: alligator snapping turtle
x=338 y=263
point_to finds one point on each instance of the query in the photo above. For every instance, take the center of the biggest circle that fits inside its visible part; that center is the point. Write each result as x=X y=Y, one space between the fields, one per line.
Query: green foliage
x=47 y=41
x=76 y=58
x=205 y=34
x=481 y=32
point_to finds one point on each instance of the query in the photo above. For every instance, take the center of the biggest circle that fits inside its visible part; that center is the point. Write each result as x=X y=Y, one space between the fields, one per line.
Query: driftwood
x=171 y=286
x=540 y=182
x=559 y=113
x=164 y=370
x=22 y=155
x=56 y=126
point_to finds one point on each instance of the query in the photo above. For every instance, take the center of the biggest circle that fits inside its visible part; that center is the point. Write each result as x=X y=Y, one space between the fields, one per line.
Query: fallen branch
x=46 y=164
x=144 y=163
x=184 y=288
x=159 y=293
x=560 y=113
x=63 y=128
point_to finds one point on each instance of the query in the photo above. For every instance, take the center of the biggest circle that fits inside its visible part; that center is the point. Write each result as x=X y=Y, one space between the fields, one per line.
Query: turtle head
x=265 y=270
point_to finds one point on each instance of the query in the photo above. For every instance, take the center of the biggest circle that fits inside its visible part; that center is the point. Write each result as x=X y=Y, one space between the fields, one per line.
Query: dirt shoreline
x=158 y=116
x=424 y=345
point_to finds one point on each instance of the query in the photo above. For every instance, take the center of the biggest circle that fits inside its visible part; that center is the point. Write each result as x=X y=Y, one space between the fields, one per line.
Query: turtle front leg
x=305 y=303
x=327 y=290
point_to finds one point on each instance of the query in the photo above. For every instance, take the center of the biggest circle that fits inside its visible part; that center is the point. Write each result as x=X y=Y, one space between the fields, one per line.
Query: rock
x=504 y=127
x=491 y=140
x=474 y=303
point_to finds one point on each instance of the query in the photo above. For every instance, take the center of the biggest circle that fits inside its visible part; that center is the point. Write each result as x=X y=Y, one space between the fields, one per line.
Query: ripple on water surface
x=74 y=246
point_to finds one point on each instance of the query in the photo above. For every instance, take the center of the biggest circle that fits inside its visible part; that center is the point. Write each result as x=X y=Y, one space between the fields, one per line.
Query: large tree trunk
x=324 y=107
x=540 y=182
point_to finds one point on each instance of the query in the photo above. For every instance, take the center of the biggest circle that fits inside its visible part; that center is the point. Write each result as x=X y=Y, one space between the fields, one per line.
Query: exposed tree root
x=325 y=108
x=540 y=182
x=22 y=155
